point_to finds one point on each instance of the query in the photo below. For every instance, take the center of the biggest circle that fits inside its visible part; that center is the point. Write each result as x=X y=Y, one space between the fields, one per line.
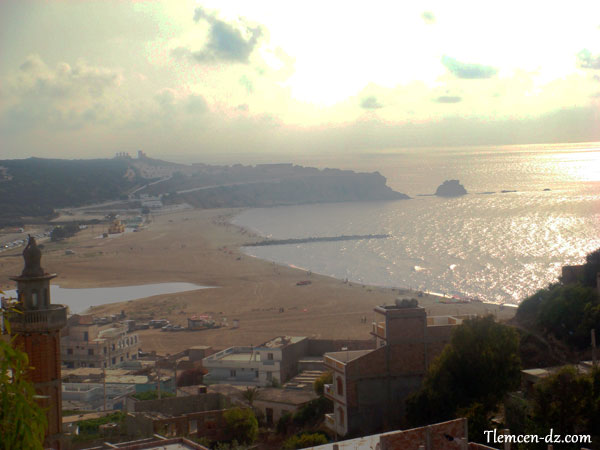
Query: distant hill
x=35 y=187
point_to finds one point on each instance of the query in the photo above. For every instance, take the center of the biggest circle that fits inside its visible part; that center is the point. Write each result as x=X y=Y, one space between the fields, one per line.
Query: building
x=88 y=344
x=275 y=361
x=96 y=396
x=155 y=442
x=37 y=332
x=451 y=435
x=370 y=387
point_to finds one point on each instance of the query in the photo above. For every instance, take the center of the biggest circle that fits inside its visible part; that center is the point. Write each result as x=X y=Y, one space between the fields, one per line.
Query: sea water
x=498 y=246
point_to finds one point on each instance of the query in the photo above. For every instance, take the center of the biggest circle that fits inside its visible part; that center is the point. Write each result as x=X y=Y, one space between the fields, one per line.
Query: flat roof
x=347 y=356
x=282 y=341
x=246 y=356
x=286 y=396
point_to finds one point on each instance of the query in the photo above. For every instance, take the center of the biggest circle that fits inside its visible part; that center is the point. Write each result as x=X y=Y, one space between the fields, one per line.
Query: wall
x=430 y=437
x=318 y=347
x=177 y=406
x=289 y=359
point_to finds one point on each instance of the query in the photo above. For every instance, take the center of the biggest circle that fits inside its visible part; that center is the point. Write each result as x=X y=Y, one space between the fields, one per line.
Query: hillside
x=35 y=187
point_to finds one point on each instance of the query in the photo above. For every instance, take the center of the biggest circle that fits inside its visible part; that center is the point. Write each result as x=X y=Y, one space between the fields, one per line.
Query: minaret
x=37 y=332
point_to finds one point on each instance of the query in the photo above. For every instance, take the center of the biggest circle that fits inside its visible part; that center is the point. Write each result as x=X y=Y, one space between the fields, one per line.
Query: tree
x=250 y=394
x=241 y=425
x=474 y=372
x=319 y=384
x=23 y=422
x=305 y=440
x=567 y=402
x=568 y=312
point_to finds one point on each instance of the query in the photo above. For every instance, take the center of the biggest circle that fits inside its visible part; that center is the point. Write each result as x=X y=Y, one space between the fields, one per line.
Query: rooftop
x=347 y=356
x=282 y=341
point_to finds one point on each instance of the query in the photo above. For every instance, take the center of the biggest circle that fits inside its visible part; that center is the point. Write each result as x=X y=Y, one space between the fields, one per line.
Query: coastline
x=204 y=248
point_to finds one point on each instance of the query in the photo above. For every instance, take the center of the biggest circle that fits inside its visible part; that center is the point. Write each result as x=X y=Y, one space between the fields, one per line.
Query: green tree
x=241 y=425
x=305 y=440
x=23 y=422
x=250 y=394
x=568 y=312
x=474 y=372
x=319 y=384
x=567 y=402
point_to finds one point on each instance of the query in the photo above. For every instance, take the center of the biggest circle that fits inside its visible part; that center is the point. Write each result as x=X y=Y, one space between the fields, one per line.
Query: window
x=341 y=417
x=232 y=373
x=256 y=374
x=340 y=386
x=91 y=351
x=193 y=426
x=34 y=299
x=114 y=360
x=105 y=350
x=270 y=356
x=121 y=359
x=113 y=347
x=269 y=376
x=69 y=351
x=86 y=336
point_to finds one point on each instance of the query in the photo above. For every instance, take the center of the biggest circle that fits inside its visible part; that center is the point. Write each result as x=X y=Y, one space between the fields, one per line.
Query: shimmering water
x=499 y=246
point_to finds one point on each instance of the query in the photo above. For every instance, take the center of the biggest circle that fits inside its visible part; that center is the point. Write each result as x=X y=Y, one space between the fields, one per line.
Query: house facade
x=87 y=344
x=370 y=387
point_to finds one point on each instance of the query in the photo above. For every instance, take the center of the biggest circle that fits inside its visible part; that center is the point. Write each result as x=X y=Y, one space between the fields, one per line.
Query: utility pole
x=104 y=385
x=158 y=378
x=593 y=331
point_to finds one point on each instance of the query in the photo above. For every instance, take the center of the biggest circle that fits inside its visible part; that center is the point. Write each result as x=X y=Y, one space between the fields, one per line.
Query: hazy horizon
x=87 y=79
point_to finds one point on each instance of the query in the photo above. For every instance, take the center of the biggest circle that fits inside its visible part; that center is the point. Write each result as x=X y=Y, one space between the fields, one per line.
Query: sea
x=529 y=210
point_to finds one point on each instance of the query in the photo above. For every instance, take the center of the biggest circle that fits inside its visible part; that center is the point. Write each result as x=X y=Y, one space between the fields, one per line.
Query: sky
x=86 y=79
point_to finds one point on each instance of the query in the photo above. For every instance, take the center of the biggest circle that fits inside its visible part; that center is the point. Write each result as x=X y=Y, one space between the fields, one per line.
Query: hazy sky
x=87 y=79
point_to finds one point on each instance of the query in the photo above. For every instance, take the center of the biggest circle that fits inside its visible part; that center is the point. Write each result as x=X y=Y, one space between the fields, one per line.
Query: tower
x=37 y=329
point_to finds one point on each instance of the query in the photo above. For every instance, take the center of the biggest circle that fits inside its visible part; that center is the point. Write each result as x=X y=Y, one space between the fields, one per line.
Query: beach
x=203 y=247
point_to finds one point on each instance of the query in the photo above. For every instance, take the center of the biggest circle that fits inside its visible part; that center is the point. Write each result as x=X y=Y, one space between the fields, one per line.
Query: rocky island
x=450 y=188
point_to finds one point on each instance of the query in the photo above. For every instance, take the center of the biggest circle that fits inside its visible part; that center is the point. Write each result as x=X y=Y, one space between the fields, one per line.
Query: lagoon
x=79 y=300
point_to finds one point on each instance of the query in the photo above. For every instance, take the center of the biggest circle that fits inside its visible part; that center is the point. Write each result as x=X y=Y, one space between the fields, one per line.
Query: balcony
x=38 y=321
x=378 y=329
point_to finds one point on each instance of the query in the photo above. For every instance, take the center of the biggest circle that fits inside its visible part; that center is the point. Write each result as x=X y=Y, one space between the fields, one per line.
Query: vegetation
x=471 y=376
x=92 y=426
x=250 y=394
x=567 y=402
x=568 y=312
x=152 y=395
x=36 y=186
x=63 y=232
x=319 y=384
x=241 y=425
x=191 y=377
x=305 y=440
x=22 y=421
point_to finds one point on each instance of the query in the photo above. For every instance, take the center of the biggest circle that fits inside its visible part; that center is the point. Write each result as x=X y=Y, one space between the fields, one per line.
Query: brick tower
x=37 y=332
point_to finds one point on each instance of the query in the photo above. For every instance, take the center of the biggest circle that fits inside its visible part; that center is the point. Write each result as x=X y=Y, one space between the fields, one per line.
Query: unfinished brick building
x=370 y=387
x=37 y=327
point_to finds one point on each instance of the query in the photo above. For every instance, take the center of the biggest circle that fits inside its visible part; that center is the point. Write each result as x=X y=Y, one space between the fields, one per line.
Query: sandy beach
x=202 y=247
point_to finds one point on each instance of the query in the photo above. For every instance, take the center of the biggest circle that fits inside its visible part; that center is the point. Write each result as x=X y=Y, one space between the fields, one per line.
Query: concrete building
x=36 y=328
x=97 y=396
x=88 y=344
x=274 y=361
x=370 y=387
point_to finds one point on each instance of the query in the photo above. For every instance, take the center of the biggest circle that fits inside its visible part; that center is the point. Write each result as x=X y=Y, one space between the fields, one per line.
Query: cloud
x=226 y=42
x=196 y=104
x=447 y=99
x=247 y=84
x=370 y=103
x=467 y=70
x=64 y=97
x=428 y=17
x=586 y=60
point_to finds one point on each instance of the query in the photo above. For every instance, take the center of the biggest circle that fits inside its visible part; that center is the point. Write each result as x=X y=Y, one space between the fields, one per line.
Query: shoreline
x=204 y=248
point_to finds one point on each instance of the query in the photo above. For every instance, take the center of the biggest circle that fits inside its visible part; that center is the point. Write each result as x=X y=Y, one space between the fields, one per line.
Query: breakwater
x=308 y=240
